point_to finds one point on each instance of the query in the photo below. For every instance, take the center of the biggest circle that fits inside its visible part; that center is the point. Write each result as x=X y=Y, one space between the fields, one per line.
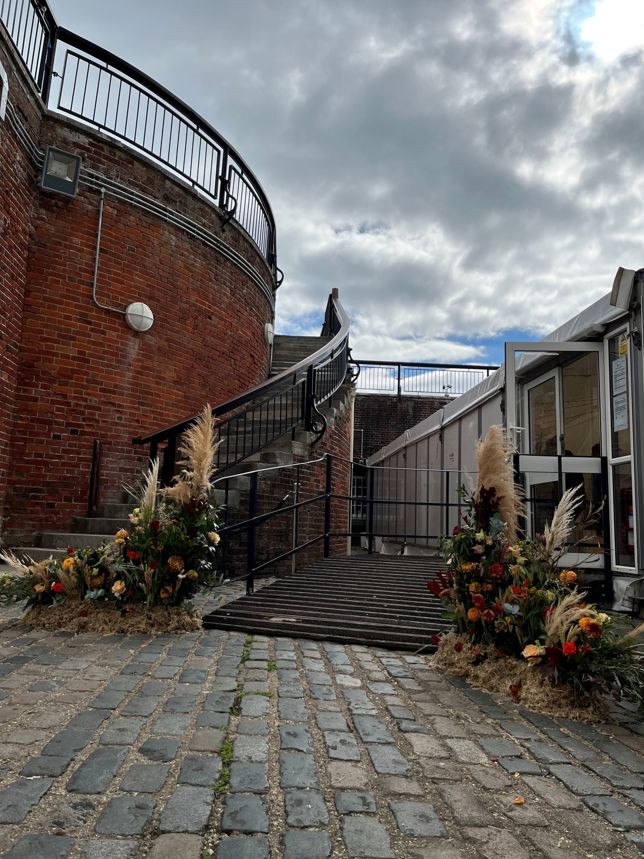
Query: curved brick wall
x=72 y=372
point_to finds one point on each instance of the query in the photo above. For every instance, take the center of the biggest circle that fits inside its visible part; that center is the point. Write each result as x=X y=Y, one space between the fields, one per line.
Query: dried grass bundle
x=495 y=471
x=149 y=488
x=108 y=618
x=198 y=447
x=23 y=568
x=556 y=532
x=562 y=620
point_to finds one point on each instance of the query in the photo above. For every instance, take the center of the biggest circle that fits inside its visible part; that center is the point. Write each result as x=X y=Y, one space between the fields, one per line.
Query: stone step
x=116 y=509
x=62 y=540
x=98 y=524
x=38 y=553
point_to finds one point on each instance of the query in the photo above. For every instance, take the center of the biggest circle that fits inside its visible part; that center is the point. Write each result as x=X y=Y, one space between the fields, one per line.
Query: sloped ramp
x=371 y=599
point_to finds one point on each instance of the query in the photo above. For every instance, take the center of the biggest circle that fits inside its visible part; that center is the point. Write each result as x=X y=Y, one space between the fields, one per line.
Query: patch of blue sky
x=492 y=348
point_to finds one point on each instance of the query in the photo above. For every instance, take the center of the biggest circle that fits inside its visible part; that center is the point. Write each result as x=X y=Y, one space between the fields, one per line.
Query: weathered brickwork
x=381 y=418
x=17 y=187
x=73 y=372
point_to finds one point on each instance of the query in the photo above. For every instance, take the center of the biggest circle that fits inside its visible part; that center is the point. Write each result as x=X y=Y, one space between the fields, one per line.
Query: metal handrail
x=453 y=379
x=296 y=392
x=107 y=92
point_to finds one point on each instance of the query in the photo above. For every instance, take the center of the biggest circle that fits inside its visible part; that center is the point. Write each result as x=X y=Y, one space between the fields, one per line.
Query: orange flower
x=474 y=588
x=69 y=564
x=468 y=567
x=118 y=588
x=591 y=626
x=165 y=593
x=121 y=536
x=473 y=614
x=192 y=575
x=533 y=651
x=568 y=577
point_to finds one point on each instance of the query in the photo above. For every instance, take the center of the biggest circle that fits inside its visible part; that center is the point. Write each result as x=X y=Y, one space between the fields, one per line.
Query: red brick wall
x=381 y=418
x=82 y=373
x=17 y=188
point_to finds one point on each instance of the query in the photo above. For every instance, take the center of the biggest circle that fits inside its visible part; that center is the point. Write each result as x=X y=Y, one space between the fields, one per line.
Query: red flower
x=57 y=588
x=435 y=588
x=154 y=565
x=497 y=609
x=155 y=525
x=585 y=648
x=488 y=615
x=435 y=639
x=71 y=550
x=133 y=555
x=569 y=648
x=496 y=570
x=479 y=601
x=457 y=530
x=458 y=646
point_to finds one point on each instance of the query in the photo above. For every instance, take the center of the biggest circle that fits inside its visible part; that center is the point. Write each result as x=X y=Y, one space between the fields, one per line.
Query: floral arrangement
x=164 y=555
x=509 y=597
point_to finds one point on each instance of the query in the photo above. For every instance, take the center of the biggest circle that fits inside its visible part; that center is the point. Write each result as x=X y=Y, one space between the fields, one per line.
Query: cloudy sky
x=464 y=171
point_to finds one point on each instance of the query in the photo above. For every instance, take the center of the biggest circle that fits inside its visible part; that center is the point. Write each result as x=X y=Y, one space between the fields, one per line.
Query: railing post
x=250 y=546
x=94 y=479
x=328 y=485
x=223 y=178
x=398 y=386
x=310 y=398
x=370 y=484
x=45 y=72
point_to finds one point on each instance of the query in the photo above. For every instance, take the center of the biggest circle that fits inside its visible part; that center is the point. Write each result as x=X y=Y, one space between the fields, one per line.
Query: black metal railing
x=440 y=380
x=81 y=79
x=274 y=408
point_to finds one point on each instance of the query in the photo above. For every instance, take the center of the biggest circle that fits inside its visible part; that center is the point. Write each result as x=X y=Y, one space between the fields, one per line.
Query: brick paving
x=218 y=744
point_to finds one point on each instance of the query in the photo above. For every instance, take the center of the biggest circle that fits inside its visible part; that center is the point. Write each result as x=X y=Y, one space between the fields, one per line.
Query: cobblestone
x=352 y=752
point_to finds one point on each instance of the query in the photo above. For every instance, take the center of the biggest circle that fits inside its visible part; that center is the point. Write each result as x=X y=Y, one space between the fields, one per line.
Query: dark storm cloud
x=455 y=167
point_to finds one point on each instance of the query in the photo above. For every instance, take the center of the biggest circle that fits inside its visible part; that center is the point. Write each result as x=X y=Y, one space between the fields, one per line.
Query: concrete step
x=62 y=540
x=98 y=524
x=116 y=509
x=38 y=553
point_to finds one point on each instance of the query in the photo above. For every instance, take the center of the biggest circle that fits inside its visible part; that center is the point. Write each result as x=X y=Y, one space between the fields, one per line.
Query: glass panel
x=619 y=396
x=581 y=426
x=541 y=502
x=543 y=418
x=587 y=534
x=624 y=515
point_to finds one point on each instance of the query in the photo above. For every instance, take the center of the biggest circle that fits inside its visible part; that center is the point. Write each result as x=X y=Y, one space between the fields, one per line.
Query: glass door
x=562 y=448
x=620 y=460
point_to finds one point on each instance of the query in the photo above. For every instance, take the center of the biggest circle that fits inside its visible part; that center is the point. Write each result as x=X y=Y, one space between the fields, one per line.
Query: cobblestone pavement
x=216 y=744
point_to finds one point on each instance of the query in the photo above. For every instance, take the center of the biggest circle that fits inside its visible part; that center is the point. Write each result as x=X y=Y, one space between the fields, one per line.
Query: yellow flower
x=468 y=567
x=474 y=588
x=568 y=577
x=214 y=537
x=118 y=588
x=175 y=564
x=68 y=564
x=480 y=536
x=193 y=575
x=121 y=536
x=603 y=618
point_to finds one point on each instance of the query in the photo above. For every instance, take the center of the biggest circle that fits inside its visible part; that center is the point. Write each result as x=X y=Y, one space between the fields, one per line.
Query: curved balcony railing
x=83 y=80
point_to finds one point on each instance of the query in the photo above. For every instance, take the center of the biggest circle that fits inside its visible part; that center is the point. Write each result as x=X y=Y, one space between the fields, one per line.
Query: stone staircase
x=289 y=351
x=92 y=531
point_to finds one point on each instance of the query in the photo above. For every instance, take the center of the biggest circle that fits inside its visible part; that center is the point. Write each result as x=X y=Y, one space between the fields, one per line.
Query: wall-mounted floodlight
x=60 y=172
x=139 y=316
x=622 y=288
x=269 y=333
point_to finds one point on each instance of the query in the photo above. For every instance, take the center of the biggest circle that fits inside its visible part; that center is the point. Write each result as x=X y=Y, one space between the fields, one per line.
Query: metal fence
x=83 y=80
x=442 y=380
